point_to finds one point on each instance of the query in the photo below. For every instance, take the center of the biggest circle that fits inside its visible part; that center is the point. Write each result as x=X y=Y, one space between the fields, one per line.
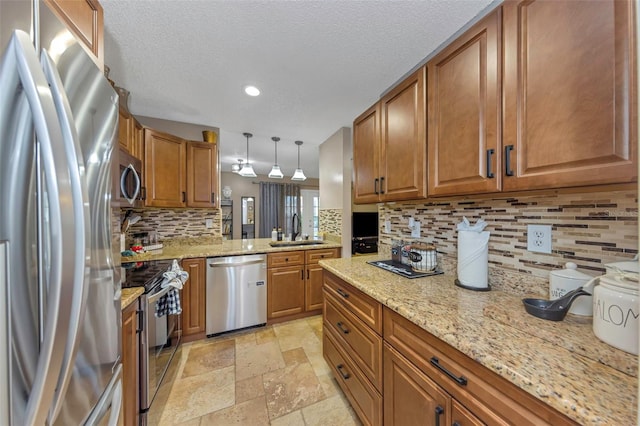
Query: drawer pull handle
x=456 y=424
x=462 y=381
x=490 y=152
x=344 y=374
x=375 y=186
x=439 y=412
x=342 y=293
x=507 y=160
x=342 y=328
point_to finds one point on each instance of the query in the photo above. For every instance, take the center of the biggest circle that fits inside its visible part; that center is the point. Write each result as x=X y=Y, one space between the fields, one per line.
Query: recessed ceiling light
x=251 y=90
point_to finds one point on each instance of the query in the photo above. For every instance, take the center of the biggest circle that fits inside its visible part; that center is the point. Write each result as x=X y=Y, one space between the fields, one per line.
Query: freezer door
x=89 y=105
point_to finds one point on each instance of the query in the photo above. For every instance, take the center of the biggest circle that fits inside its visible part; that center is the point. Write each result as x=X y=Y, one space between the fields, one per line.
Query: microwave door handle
x=20 y=65
x=76 y=294
x=123 y=184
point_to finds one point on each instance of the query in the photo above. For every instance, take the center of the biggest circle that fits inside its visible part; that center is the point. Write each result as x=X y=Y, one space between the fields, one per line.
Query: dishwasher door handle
x=233 y=265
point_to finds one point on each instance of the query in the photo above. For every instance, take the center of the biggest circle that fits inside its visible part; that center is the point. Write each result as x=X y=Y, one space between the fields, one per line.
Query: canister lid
x=571 y=272
x=622 y=280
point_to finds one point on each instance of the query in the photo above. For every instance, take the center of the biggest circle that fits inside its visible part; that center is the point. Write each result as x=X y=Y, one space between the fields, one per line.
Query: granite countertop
x=561 y=363
x=202 y=248
x=129 y=295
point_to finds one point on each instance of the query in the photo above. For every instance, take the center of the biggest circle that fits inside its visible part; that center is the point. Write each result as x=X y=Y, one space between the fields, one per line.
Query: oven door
x=161 y=338
x=127 y=181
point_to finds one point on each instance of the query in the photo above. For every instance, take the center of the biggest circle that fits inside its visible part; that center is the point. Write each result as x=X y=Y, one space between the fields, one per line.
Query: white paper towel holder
x=468 y=287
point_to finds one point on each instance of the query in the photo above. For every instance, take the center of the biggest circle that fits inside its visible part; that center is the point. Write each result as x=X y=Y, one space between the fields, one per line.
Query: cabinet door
x=410 y=397
x=462 y=417
x=138 y=140
x=164 y=166
x=313 y=298
x=193 y=297
x=569 y=93
x=403 y=155
x=130 y=365
x=366 y=156
x=85 y=19
x=202 y=174
x=285 y=291
x=125 y=131
x=464 y=107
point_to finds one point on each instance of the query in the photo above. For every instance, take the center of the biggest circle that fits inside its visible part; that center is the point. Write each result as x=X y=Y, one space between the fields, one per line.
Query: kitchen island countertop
x=562 y=363
x=129 y=295
x=201 y=248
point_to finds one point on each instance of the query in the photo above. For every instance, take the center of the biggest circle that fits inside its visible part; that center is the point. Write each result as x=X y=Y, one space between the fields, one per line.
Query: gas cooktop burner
x=402 y=269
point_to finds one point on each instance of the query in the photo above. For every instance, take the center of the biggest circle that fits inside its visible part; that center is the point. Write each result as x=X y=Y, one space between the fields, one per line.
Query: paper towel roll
x=473 y=258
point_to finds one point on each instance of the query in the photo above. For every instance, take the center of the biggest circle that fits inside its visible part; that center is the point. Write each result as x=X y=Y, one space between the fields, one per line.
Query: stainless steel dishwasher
x=236 y=292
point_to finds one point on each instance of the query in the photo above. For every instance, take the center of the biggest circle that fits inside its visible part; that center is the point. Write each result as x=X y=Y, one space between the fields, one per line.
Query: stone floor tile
x=329 y=385
x=291 y=388
x=206 y=358
x=328 y=412
x=199 y=395
x=265 y=335
x=294 y=356
x=252 y=412
x=292 y=419
x=250 y=388
x=255 y=360
x=294 y=335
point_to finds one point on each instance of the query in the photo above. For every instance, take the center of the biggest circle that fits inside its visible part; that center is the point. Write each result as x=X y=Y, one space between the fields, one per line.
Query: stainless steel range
x=159 y=336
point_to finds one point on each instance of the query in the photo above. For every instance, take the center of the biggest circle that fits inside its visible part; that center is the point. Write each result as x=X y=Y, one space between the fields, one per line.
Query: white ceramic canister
x=562 y=281
x=615 y=311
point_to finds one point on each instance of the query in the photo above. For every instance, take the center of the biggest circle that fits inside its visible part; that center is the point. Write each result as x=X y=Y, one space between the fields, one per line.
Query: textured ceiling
x=319 y=64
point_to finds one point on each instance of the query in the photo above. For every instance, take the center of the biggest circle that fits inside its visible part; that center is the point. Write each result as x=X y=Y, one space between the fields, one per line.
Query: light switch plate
x=387 y=226
x=208 y=223
x=539 y=238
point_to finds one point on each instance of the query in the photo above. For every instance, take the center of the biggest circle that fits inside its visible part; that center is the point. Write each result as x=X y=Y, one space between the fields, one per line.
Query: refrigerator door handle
x=74 y=294
x=110 y=402
x=5 y=330
x=20 y=66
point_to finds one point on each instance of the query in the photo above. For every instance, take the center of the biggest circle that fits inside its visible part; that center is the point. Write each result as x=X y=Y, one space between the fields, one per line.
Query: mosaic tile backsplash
x=330 y=221
x=176 y=223
x=590 y=229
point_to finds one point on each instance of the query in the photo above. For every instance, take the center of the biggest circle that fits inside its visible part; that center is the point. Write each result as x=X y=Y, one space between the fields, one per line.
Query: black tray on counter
x=402 y=269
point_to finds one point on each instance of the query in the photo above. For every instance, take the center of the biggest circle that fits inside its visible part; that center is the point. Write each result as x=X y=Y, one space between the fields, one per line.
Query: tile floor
x=274 y=375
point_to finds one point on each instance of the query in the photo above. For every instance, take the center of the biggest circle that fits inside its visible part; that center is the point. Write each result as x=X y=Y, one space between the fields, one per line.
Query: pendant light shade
x=235 y=168
x=298 y=174
x=247 y=169
x=275 y=172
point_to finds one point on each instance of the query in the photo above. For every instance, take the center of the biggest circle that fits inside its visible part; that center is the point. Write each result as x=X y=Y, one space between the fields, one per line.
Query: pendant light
x=275 y=172
x=298 y=174
x=235 y=168
x=247 y=170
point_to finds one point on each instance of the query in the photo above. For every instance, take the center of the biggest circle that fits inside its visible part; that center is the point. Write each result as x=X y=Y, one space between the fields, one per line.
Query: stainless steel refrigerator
x=60 y=319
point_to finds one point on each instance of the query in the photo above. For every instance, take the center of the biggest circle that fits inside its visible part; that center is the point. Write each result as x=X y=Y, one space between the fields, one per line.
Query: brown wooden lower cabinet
x=285 y=291
x=193 y=299
x=410 y=396
x=313 y=288
x=130 y=365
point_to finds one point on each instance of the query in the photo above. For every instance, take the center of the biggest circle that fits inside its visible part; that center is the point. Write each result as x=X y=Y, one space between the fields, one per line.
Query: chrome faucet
x=295 y=226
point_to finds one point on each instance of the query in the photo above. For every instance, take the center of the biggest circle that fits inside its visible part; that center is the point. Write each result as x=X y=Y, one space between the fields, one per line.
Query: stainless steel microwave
x=127 y=181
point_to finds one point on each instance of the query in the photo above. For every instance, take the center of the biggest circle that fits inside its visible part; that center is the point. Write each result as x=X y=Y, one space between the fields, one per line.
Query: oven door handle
x=153 y=299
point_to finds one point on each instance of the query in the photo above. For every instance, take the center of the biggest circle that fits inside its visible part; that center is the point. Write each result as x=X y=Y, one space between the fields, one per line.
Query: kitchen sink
x=295 y=243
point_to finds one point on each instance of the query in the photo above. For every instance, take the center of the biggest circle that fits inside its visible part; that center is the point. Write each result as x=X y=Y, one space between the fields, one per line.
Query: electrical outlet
x=387 y=226
x=539 y=238
x=208 y=223
x=415 y=230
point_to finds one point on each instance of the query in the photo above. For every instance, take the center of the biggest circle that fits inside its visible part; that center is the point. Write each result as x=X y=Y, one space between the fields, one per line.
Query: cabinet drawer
x=482 y=388
x=285 y=258
x=364 y=398
x=314 y=256
x=355 y=301
x=359 y=341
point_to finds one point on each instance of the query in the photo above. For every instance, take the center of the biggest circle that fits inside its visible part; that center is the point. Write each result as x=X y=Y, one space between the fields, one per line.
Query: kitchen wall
x=590 y=229
x=336 y=168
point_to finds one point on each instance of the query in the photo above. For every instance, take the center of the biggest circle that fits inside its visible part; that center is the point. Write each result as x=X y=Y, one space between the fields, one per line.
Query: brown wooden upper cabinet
x=463 y=110
x=389 y=145
x=85 y=19
x=569 y=80
x=179 y=173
